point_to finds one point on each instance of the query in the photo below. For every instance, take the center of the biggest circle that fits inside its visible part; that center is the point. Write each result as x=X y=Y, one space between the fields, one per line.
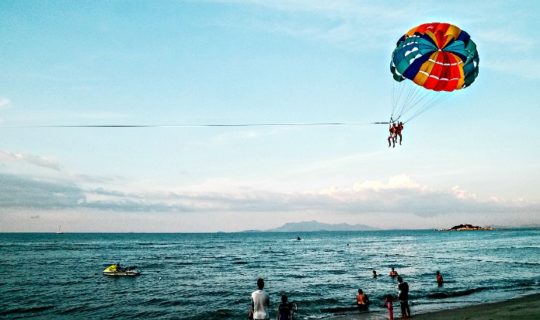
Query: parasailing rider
x=399 y=129
x=392 y=137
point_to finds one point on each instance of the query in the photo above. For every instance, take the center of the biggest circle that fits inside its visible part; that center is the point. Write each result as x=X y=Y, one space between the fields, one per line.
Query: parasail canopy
x=439 y=57
x=436 y=56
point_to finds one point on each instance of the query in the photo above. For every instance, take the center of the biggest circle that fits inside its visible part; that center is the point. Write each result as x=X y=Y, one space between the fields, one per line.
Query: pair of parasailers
x=395 y=131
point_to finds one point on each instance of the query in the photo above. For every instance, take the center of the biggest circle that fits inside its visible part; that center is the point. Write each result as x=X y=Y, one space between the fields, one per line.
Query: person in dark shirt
x=285 y=309
x=403 y=297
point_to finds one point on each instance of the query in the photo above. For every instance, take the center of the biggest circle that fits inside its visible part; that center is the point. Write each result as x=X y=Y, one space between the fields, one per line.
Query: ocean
x=211 y=275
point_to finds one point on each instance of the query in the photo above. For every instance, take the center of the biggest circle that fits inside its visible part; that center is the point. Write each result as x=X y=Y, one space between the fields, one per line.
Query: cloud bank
x=399 y=194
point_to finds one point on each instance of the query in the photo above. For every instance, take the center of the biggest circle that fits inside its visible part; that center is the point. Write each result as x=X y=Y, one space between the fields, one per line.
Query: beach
x=527 y=307
x=522 y=308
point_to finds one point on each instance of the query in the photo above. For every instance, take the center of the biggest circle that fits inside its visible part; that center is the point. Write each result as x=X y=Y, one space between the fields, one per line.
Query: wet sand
x=524 y=308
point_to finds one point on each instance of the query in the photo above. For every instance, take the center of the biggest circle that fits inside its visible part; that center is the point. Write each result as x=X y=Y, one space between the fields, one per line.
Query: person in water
x=392 y=136
x=393 y=273
x=375 y=274
x=362 y=300
x=399 y=129
x=403 y=297
x=439 y=278
x=285 y=309
x=260 y=302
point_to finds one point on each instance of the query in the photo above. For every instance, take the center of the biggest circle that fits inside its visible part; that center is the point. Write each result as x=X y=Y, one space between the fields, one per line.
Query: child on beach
x=388 y=303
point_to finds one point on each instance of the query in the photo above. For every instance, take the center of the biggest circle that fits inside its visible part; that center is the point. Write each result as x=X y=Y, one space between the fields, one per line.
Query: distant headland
x=314 y=226
x=467 y=227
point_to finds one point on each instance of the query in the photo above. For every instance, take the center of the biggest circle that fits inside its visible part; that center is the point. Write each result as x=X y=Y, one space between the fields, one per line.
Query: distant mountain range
x=310 y=226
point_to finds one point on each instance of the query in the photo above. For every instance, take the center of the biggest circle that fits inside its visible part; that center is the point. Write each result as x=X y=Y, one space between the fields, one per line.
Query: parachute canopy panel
x=436 y=56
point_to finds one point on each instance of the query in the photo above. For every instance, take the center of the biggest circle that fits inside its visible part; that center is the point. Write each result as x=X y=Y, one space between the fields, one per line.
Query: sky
x=471 y=158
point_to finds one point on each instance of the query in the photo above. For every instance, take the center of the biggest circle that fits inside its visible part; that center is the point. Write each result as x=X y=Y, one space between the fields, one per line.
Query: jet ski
x=114 y=270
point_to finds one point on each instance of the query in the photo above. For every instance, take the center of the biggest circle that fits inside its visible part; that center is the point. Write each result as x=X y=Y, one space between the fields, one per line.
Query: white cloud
x=395 y=182
x=4 y=102
x=33 y=160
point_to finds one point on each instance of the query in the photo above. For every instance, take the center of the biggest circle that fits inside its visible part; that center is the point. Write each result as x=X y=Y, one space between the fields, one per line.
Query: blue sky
x=472 y=158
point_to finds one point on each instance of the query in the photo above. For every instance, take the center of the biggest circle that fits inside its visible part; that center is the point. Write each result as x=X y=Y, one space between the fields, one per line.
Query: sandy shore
x=524 y=308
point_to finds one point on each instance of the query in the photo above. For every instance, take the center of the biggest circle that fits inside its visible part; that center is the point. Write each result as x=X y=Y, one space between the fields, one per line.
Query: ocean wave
x=457 y=293
x=26 y=310
x=339 y=309
x=217 y=314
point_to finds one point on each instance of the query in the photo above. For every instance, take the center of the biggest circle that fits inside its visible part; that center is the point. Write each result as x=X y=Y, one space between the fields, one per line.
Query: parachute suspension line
x=407 y=99
x=404 y=103
x=411 y=102
x=422 y=96
x=393 y=101
x=414 y=102
x=395 y=98
x=397 y=102
x=430 y=103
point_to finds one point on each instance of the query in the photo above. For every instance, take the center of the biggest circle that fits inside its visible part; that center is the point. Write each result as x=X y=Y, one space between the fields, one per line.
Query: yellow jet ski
x=114 y=270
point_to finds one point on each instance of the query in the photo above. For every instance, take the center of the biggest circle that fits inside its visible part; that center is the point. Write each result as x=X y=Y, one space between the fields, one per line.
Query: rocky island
x=467 y=227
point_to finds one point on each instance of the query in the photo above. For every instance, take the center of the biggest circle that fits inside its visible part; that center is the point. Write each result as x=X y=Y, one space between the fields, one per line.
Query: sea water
x=211 y=276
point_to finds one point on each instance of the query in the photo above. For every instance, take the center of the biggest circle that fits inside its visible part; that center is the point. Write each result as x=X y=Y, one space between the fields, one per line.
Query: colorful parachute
x=436 y=56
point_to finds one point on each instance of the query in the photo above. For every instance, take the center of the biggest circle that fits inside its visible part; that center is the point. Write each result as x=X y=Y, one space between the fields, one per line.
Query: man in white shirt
x=260 y=302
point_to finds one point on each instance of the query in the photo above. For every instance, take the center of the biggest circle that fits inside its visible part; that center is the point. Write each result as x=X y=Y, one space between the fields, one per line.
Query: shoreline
x=521 y=308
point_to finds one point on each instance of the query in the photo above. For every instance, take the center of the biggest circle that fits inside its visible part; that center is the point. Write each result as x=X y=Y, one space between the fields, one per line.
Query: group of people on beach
x=362 y=299
x=260 y=304
x=260 y=300
x=403 y=287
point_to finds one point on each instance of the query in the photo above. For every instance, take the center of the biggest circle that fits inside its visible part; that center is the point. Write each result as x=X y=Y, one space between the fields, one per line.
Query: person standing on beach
x=260 y=302
x=403 y=297
x=439 y=278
